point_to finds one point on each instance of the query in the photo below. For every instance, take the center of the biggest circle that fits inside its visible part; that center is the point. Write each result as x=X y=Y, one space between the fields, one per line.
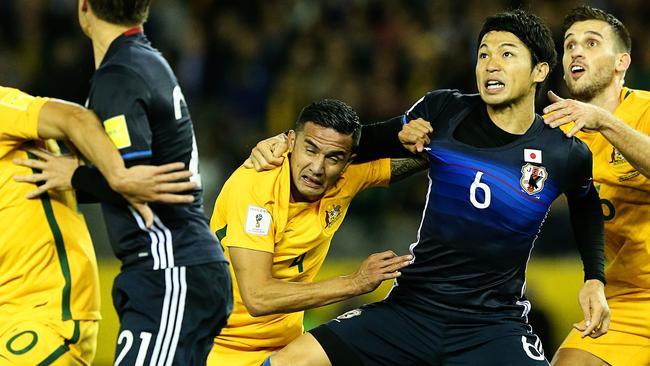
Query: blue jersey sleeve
x=121 y=100
x=429 y=106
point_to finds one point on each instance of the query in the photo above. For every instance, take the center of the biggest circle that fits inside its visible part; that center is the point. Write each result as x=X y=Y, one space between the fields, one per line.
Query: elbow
x=257 y=304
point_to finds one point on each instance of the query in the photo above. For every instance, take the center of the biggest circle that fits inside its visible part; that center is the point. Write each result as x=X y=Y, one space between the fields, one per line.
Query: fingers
x=604 y=327
x=171 y=167
x=173 y=198
x=593 y=322
x=173 y=177
x=553 y=97
x=30 y=163
x=37 y=192
x=33 y=178
x=420 y=125
x=175 y=187
x=40 y=153
x=144 y=211
x=248 y=163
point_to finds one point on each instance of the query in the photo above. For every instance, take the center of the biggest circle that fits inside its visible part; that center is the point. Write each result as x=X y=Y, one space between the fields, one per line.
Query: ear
x=540 y=72
x=623 y=61
x=350 y=160
x=84 y=5
x=291 y=137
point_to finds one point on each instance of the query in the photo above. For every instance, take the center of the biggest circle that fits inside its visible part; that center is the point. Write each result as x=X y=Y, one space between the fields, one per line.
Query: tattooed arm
x=405 y=167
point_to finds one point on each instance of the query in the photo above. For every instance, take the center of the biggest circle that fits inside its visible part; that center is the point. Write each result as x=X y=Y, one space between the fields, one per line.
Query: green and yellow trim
x=65 y=347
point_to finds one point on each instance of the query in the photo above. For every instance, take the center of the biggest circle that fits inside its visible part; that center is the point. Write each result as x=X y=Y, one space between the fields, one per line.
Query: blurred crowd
x=247 y=67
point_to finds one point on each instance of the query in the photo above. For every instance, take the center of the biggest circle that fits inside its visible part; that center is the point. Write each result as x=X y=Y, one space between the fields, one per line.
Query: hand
x=595 y=309
x=415 y=135
x=377 y=268
x=587 y=117
x=56 y=171
x=267 y=154
x=146 y=183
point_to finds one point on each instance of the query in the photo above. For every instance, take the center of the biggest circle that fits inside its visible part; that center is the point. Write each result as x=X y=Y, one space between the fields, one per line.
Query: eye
x=508 y=54
x=592 y=43
x=482 y=55
x=333 y=159
x=570 y=46
x=310 y=150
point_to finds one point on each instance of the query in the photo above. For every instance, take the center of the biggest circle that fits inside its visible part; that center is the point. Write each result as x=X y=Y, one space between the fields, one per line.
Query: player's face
x=504 y=71
x=589 y=58
x=319 y=155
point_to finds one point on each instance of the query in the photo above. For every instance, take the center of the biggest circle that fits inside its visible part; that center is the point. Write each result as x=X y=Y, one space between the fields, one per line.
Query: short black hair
x=529 y=28
x=585 y=12
x=332 y=113
x=121 y=12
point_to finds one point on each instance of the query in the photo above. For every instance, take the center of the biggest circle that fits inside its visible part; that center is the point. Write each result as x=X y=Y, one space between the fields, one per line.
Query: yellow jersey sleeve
x=19 y=114
x=242 y=215
x=374 y=173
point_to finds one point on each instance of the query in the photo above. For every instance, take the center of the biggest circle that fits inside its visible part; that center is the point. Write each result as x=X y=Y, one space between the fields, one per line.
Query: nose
x=576 y=51
x=491 y=64
x=317 y=165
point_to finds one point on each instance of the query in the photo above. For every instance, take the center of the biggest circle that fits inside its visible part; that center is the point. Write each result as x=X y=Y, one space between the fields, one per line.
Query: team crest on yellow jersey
x=532 y=178
x=332 y=214
x=621 y=166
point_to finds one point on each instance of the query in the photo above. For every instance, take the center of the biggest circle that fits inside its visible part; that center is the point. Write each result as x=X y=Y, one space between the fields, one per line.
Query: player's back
x=47 y=261
x=625 y=197
x=136 y=95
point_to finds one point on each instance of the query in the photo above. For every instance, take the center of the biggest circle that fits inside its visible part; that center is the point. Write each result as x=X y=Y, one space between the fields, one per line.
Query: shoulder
x=245 y=182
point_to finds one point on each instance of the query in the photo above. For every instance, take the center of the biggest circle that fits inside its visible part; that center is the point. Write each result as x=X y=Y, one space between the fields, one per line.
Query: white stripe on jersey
x=152 y=235
x=171 y=319
x=414 y=105
x=162 y=249
x=526 y=304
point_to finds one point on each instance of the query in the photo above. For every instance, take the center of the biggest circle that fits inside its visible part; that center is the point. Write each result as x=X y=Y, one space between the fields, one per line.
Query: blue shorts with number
x=171 y=316
x=390 y=333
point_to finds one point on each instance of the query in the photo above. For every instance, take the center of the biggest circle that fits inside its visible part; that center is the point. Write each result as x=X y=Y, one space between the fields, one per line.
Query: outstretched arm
x=264 y=295
x=633 y=144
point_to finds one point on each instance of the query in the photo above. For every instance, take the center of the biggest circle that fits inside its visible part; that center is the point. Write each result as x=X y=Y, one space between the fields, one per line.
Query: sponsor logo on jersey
x=332 y=214
x=118 y=131
x=532 y=178
x=623 y=169
x=258 y=221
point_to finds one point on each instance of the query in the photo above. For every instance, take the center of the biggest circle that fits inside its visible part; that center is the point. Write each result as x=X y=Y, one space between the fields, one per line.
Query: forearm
x=59 y=119
x=95 y=187
x=634 y=145
x=587 y=222
x=276 y=296
x=380 y=140
x=403 y=168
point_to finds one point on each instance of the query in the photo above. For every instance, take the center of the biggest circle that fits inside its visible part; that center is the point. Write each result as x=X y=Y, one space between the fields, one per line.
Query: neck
x=516 y=117
x=609 y=98
x=102 y=35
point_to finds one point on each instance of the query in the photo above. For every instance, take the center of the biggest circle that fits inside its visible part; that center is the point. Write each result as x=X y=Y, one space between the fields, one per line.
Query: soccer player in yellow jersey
x=277 y=225
x=614 y=121
x=49 y=289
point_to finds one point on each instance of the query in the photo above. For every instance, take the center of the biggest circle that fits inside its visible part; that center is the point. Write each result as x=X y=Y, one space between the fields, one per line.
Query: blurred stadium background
x=248 y=66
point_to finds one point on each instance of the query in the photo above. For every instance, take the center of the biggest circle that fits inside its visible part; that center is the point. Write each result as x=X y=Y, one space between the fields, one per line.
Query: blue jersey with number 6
x=484 y=209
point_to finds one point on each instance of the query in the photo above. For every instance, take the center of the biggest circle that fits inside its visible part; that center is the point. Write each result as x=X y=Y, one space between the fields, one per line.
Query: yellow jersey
x=253 y=210
x=625 y=197
x=47 y=261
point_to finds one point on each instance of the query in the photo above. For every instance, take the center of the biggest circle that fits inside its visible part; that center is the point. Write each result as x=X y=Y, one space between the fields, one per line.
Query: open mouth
x=577 y=71
x=310 y=182
x=494 y=85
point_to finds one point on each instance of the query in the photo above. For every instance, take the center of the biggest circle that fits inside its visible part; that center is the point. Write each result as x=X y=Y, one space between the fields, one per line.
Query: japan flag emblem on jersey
x=533 y=156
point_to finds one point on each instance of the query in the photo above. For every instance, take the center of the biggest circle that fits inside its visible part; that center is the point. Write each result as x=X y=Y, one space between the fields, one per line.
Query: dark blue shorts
x=171 y=316
x=388 y=333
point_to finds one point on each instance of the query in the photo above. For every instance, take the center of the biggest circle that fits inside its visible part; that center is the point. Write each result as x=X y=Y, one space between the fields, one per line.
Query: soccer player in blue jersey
x=174 y=293
x=495 y=168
